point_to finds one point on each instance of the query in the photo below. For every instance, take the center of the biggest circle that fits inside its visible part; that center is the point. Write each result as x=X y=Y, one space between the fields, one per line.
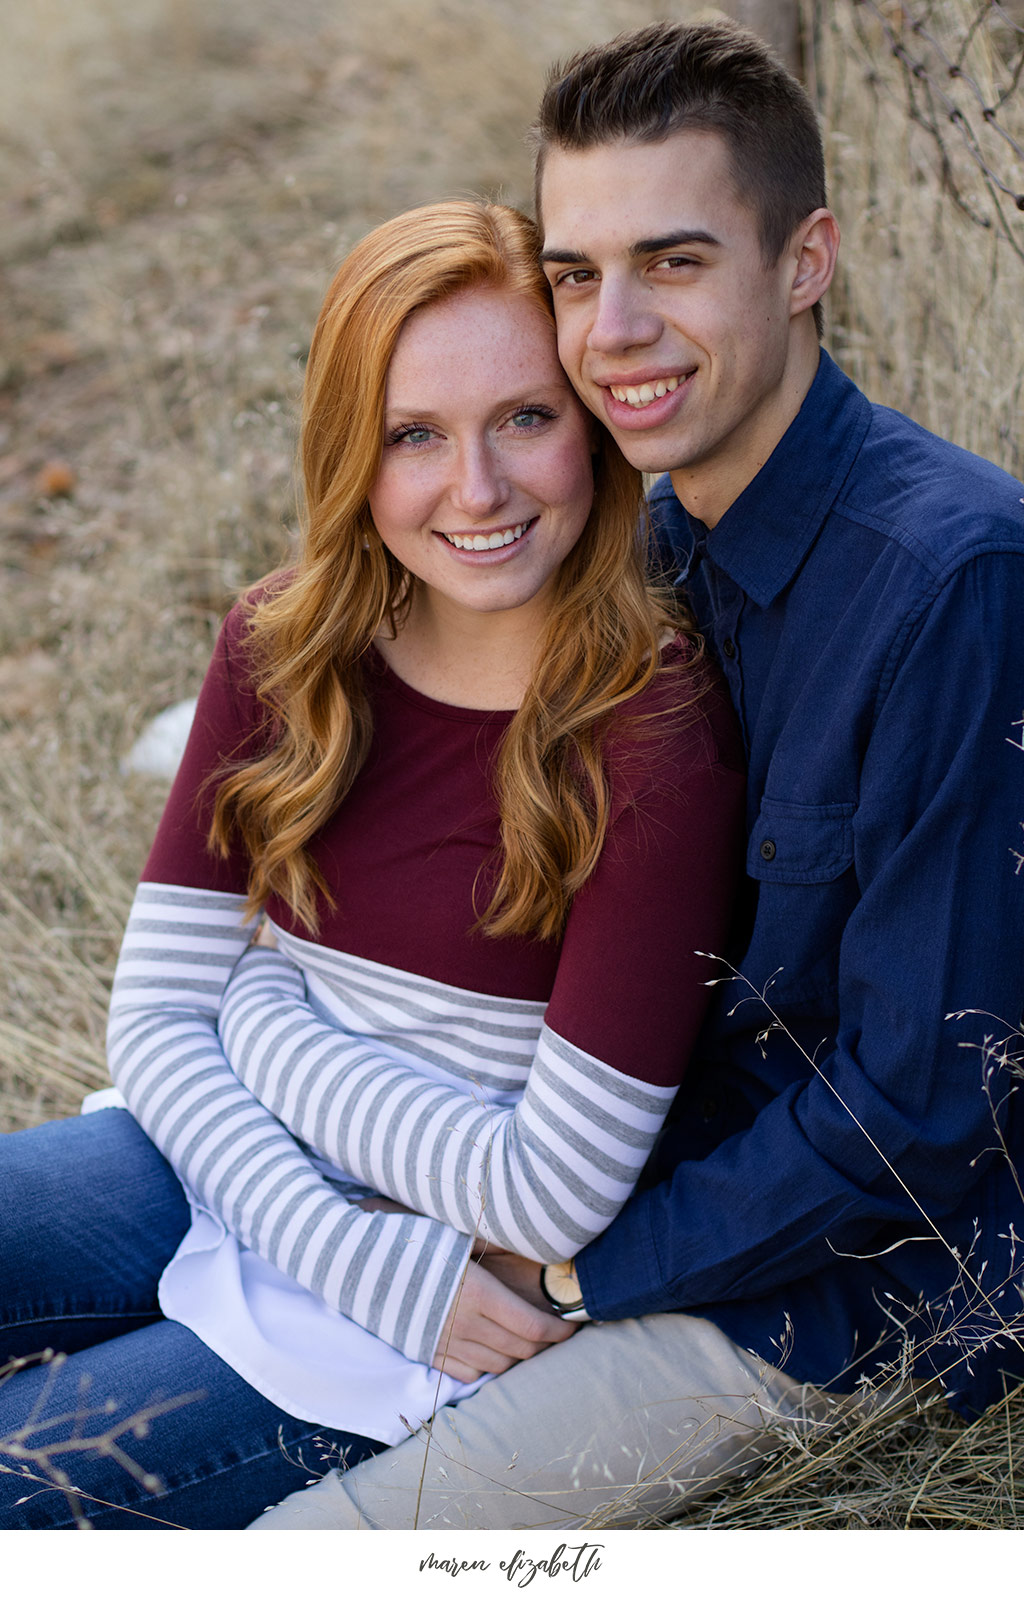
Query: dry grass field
x=176 y=182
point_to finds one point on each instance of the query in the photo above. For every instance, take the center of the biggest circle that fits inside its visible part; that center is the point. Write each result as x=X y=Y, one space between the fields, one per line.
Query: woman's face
x=485 y=482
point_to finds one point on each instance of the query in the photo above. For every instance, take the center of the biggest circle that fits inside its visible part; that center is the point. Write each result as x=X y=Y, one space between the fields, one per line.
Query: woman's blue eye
x=411 y=435
x=530 y=416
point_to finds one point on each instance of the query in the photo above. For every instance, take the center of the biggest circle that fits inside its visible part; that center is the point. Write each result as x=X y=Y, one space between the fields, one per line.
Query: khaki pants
x=620 y=1426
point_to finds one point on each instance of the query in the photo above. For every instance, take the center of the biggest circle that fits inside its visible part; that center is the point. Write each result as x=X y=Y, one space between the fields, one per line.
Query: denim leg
x=221 y=1458
x=90 y=1214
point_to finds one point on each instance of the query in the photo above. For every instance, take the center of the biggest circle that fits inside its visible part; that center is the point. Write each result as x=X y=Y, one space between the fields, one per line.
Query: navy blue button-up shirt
x=829 y=1182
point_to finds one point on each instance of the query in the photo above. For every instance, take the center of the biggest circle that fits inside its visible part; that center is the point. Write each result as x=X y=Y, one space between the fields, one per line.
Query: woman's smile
x=480 y=540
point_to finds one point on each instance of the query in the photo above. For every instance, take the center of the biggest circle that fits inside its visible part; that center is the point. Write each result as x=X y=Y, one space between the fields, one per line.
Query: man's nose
x=481 y=482
x=621 y=319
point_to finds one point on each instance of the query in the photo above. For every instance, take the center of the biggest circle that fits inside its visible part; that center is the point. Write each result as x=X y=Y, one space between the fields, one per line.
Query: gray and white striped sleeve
x=541 y=1178
x=395 y=1275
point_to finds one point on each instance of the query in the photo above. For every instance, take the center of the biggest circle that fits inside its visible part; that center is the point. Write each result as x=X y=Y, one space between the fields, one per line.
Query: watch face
x=561 y=1291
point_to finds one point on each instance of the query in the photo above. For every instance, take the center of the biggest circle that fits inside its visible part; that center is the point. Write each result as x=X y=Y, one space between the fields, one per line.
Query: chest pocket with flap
x=794 y=843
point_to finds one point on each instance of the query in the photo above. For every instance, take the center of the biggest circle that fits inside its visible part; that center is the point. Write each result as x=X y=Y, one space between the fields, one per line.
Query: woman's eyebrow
x=544 y=389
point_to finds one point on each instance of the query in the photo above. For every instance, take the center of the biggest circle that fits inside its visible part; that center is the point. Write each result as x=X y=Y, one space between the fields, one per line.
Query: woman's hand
x=490 y=1326
x=499 y=1315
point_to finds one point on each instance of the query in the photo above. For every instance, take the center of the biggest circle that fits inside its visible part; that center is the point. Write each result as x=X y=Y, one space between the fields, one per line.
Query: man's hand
x=490 y=1327
x=515 y=1272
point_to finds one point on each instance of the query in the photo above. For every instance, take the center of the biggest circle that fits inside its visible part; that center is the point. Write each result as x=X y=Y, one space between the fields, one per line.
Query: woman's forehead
x=475 y=336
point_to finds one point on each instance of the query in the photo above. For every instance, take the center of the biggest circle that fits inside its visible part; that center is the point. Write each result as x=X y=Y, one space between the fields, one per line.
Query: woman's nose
x=481 y=482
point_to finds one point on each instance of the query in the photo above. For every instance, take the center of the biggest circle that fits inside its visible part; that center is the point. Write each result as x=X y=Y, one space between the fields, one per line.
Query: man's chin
x=649 y=456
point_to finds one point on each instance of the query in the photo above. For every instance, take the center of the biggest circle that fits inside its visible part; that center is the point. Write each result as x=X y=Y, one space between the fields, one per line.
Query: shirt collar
x=765 y=535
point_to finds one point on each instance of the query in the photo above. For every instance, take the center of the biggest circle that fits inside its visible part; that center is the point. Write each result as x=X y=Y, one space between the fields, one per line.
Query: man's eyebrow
x=642 y=247
x=672 y=241
x=569 y=256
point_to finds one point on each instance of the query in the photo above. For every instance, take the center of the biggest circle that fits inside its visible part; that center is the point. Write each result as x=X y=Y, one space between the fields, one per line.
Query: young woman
x=464 y=767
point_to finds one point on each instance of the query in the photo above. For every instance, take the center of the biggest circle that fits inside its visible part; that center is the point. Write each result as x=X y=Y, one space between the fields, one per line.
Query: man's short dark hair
x=713 y=77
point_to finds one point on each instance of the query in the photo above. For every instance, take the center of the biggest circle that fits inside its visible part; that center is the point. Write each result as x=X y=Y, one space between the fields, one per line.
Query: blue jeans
x=90 y=1213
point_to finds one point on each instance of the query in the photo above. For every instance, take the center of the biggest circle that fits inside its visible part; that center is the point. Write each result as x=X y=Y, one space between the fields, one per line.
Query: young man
x=838 y=1189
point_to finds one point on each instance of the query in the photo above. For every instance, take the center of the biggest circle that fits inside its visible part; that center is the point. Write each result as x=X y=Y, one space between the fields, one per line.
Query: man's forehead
x=633 y=191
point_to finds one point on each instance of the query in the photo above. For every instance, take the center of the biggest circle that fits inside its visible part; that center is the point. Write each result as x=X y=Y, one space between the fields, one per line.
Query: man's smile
x=644 y=393
x=649 y=401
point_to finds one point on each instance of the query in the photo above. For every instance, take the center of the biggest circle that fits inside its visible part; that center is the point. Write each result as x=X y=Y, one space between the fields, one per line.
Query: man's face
x=670 y=326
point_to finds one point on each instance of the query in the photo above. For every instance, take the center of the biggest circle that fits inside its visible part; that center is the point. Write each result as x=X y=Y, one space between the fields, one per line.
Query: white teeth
x=646 y=392
x=487 y=541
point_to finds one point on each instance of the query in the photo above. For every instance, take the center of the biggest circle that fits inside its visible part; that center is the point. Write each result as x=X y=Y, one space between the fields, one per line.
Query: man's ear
x=814 y=247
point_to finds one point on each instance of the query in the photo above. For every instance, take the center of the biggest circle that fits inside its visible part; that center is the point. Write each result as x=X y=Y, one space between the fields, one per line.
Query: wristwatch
x=561 y=1289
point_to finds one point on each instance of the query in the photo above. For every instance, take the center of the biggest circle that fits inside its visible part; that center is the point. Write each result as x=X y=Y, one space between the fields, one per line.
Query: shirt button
x=768 y=850
x=729 y=648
